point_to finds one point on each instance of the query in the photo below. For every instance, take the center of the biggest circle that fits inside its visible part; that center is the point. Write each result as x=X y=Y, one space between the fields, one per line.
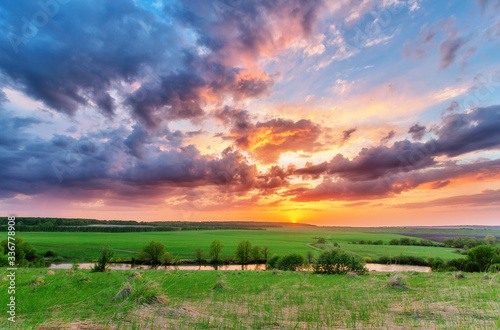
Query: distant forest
x=29 y=224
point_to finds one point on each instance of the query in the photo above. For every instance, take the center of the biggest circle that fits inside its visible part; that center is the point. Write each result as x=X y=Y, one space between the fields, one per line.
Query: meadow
x=86 y=246
x=156 y=299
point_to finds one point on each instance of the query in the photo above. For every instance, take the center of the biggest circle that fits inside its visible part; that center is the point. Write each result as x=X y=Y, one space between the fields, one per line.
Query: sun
x=294 y=221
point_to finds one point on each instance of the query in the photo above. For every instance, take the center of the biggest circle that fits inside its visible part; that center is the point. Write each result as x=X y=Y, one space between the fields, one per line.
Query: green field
x=85 y=246
x=251 y=300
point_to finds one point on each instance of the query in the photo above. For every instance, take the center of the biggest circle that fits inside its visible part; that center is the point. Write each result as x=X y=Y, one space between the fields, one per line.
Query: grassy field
x=256 y=300
x=85 y=246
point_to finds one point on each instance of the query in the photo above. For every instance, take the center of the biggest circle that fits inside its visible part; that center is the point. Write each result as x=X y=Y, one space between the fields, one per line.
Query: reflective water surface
x=376 y=267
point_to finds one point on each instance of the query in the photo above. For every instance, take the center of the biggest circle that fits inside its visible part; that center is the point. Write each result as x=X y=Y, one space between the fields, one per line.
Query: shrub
x=472 y=267
x=321 y=240
x=457 y=263
x=378 y=242
x=272 y=263
x=495 y=268
x=482 y=255
x=367 y=259
x=291 y=261
x=50 y=254
x=337 y=261
x=393 y=242
x=103 y=261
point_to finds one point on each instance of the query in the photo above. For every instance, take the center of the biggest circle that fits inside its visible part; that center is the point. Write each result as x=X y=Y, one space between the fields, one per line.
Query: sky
x=335 y=113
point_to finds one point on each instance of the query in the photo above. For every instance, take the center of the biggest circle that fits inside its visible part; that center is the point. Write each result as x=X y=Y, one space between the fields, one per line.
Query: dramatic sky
x=345 y=112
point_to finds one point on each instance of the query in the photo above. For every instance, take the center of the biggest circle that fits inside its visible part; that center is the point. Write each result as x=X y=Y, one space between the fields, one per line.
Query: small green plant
x=103 y=261
x=337 y=261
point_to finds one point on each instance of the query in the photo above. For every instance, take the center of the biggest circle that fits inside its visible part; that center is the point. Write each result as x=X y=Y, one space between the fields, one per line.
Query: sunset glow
x=339 y=113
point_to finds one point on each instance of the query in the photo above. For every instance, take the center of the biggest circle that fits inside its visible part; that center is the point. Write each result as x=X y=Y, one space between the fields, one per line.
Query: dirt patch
x=74 y=326
x=421 y=309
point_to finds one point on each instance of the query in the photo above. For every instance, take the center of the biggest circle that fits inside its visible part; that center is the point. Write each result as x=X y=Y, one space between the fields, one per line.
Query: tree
x=199 y=255
x=337 y=261
x=153 y=253
x=483 y=255
x=103 y=261
x=321 y=240
x=265 y=253
x=490 y=239
x=215 y=250
x=292 y=261
x=256 y=254
x=243 y=251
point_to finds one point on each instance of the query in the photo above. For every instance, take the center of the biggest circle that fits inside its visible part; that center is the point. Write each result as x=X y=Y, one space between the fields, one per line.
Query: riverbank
x=234 y=267
x=178 y=299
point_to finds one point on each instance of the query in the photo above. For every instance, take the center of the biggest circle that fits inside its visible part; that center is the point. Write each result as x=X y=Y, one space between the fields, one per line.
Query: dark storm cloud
x=384 y=171
x=417 y=132
x=375 y=162
x=81 y=51
x=84 y=52
x=395 y=184
x=475 y=130
x=119 y=163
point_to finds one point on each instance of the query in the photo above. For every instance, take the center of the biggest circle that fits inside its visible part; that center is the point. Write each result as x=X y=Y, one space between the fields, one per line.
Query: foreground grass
x=85 y=246
x=245 y=299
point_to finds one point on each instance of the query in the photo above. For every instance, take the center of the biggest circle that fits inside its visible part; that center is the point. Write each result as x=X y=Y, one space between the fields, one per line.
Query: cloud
x=266 y=141
x=388 y=137
x=127 y=55
x=417 y=132
x=449 y=47
x=344 y=189
x=382 y=171
x=485 y=198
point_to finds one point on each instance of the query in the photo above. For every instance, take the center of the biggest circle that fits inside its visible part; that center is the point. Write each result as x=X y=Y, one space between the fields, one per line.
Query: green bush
x=472 y=267
x=291 y=261
x=50 y=254
x=495 y=268
x=483 y=255
x=337 y=261
x=272 y=263
x=458 y=263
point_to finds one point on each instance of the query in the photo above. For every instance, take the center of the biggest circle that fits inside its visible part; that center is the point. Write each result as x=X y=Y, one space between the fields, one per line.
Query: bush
x=457 y=263
x=321 y=240
x=291 y=261
x=495 y=268
x=50 y=254
x=378 y=242
x=482 y=255
x=272 y=263
x=337 y=261
x=393 y=242
x=472 y=267
x=103 y=261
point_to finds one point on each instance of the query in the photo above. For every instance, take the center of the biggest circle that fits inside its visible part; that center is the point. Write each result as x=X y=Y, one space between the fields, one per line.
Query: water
x=377 y=267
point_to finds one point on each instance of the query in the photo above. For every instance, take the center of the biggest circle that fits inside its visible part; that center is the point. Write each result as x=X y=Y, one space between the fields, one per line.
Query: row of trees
x=479 y=259
x=401 y=241
x=334 y=261
x=245 y=252
x=469 y=242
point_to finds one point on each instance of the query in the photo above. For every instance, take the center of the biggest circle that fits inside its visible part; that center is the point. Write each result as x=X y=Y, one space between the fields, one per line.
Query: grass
x=256 y=300
x=85 y=246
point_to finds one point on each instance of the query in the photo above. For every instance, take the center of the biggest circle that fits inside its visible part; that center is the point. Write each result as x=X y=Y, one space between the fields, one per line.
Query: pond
x=376 y=267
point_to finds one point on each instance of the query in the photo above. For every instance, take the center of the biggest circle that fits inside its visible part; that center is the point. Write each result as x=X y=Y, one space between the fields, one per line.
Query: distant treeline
x=401 y=241
x=30 y=224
